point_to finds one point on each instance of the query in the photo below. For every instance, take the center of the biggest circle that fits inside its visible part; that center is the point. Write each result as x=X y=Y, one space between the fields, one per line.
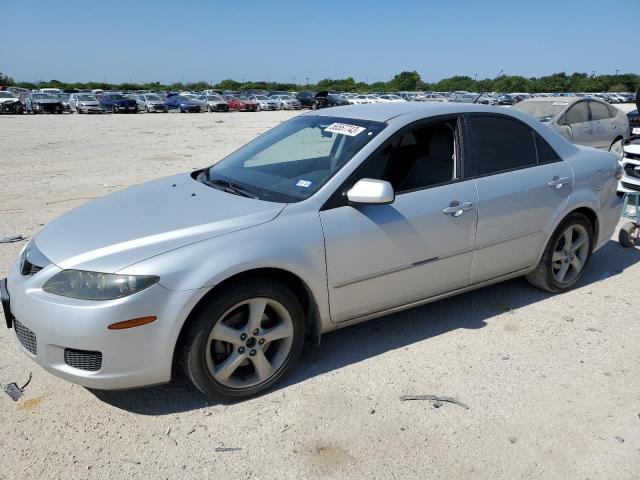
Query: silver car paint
x=194 y=246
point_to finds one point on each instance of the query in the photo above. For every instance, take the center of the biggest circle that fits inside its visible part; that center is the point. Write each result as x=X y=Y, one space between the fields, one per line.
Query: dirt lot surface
x=551 y=382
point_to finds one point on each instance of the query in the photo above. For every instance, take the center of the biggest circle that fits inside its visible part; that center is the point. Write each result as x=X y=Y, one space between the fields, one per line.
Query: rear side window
x=502 y=144
x=579 y=113
x=599 y=111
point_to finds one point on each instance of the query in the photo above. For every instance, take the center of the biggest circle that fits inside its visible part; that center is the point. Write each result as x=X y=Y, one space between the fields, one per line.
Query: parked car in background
x=264 y=102
x=118 y=103
x=241 y=104
x=306 y=99
x=84 y=103
x=215 y=102
x=634 y=122
x=196 y=98
x=64 y=98
x=583 y=121
x=50 y=91
x=330 y=219
x=10 y=104
x=182 y=104
x=630 y=182
x=286 y=102
x=325 y=99
x=151 y=102
x=43 y=103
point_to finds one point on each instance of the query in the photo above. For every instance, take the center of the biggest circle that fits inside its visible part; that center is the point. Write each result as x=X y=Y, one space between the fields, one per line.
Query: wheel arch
x=292 y=281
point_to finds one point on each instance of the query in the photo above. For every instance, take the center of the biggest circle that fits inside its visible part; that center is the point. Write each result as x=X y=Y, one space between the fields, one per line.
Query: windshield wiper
x=229 y=187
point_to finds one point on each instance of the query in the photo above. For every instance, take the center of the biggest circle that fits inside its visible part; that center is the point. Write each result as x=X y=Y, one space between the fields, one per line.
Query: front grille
x=631 y=186
x=630 y=170
x=26 y=337
x=83 y=359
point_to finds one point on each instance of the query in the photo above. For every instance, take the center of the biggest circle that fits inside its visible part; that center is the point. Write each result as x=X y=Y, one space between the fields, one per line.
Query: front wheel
x=243 y=340
x=628 y=236
x=566 y=255
x=616 y=147
x=314 y=106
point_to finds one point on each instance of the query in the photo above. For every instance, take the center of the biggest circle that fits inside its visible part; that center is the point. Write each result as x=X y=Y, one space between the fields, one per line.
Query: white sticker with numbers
x=345 y=129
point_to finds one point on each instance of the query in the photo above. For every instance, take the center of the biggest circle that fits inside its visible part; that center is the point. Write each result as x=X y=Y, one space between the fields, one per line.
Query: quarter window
x=502 y=144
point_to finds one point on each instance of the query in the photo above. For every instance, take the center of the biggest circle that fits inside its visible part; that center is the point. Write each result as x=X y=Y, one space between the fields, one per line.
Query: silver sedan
x=583 y=121
x=281 y=241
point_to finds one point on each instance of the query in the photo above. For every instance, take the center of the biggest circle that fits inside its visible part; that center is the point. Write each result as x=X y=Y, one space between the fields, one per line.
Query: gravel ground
x=551 y=382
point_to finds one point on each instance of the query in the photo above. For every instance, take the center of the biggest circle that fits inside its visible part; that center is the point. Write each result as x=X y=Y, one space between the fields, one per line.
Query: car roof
x=382 y=112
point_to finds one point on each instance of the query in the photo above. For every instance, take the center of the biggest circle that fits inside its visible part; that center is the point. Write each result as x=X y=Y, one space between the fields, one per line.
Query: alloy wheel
x=570 y=254
x=249 y=343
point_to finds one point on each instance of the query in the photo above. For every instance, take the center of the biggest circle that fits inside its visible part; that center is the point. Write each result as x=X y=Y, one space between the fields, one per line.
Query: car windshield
x=63 y=96
x=41 y=96
x=5 y=95
x=117 y=97
x=214 y=97
x=87 y=98
x=154 y=98
x=543 y=111
x=292 y=161
x=262 y=97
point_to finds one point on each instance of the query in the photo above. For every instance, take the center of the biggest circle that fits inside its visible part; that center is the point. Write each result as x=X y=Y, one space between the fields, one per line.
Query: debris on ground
x=12 y=239
x=619 y=439
x=434 y=398
x=14 y=391
x=227 y=449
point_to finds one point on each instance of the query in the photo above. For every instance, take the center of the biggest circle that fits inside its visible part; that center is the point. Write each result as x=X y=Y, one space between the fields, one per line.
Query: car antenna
x=478 y=97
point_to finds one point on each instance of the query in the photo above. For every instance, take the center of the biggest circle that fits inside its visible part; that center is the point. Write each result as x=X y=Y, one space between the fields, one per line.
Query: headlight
x=97 y=286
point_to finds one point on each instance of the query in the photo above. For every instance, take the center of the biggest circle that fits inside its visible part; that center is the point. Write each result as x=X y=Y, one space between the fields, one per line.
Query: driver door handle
x=455 y=209
x=558 y=182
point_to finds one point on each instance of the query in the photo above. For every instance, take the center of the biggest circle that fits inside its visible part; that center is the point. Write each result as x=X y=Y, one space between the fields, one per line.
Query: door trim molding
x=399 y=269
x=513 y=237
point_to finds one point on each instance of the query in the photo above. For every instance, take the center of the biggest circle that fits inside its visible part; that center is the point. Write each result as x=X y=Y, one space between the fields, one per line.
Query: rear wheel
x=628 y=236
x=243 y=340
x=566 y=255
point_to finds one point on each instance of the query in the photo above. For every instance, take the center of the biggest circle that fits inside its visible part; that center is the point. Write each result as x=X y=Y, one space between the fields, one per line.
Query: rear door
x=523 y=187
x=604 y=126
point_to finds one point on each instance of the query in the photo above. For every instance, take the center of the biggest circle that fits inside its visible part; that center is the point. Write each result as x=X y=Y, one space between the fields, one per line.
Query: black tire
x=210 y=109
x=192 y=348
x=149 y=109
x=314 y=106
x=79 y=110
x=543 y=277
x=258 y=108
x=628 y=234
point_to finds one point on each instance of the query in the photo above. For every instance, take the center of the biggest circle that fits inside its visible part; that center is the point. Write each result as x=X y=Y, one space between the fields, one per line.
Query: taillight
x=619 y=172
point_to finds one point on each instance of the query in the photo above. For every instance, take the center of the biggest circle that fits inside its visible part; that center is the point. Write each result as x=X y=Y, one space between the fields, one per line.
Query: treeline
x=404 y=81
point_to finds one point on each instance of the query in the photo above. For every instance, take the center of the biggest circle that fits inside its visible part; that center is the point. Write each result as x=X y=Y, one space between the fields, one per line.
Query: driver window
x=422 y=157
x=579 y=113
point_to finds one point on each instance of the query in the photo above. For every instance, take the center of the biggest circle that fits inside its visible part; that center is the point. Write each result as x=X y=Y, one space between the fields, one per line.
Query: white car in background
x=287 y=102
x=630 y=162
x=360 y=100
x=391 y=98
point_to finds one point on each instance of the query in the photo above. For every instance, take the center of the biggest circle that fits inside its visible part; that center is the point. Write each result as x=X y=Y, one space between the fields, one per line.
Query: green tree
x=5 y=79
x=405 y=81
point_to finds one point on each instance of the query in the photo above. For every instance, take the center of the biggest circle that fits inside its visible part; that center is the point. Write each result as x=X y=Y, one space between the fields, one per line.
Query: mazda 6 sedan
x=331 y=218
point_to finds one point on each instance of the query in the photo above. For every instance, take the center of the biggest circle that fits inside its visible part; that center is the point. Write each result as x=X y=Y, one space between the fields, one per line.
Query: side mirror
x=372 y=192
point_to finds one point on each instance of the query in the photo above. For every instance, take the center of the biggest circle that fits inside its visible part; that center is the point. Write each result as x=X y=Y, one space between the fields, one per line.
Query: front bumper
x=53 y=330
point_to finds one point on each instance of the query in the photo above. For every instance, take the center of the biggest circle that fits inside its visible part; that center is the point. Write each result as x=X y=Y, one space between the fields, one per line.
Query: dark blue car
x=118 y=103
x=184 y=104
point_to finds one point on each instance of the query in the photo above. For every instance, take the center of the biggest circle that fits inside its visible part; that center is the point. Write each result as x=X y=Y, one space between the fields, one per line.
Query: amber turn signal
x=134 y=322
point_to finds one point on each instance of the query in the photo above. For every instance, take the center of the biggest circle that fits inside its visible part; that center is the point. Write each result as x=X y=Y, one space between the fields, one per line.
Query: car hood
x=8 y=100
x=91 y=103
x=45 y=100
x=113 y=232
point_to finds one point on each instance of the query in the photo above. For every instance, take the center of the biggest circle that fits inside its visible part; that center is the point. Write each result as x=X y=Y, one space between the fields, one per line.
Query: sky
x=168 y=41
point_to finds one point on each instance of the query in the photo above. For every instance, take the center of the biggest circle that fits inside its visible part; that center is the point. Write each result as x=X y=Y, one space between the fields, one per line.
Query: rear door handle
x=558 y=182
x=455 y=209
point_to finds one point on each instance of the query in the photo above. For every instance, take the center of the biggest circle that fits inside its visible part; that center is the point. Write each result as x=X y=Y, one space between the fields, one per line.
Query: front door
x=579 y=126
x=383 y=256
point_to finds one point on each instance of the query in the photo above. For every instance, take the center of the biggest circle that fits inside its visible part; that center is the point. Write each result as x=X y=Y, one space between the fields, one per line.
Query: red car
x=241 y=104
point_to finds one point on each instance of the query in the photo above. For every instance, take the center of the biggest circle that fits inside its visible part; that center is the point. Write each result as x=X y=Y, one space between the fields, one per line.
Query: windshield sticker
x=303 y=183
x=563 y=104
x=345 y=129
